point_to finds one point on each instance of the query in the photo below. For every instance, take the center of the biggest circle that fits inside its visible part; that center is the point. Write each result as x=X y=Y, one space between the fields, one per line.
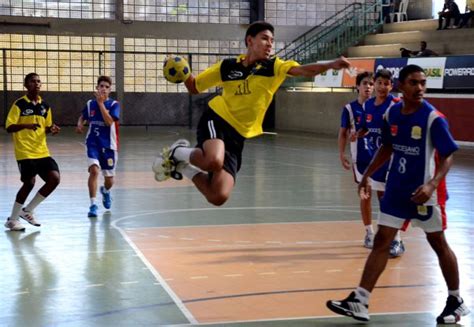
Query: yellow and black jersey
x=30 y=144
x=247 y=91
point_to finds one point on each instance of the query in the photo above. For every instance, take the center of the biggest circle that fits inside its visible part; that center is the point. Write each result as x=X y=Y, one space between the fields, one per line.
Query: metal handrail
x=336 y=33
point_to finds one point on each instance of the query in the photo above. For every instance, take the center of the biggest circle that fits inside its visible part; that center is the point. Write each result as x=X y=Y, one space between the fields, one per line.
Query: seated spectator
x=424 y=51
x=450 y=11
x=468 y=14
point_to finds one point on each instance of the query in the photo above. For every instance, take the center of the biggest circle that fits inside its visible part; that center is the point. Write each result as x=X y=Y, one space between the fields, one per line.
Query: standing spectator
x=450 y=11
x=29 y=120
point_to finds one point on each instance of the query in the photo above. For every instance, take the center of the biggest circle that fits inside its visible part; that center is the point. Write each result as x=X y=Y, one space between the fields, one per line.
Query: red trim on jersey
x=405 y=225
x=396 y=100
x=444 y=217
x=441 y=191
x=117 y=133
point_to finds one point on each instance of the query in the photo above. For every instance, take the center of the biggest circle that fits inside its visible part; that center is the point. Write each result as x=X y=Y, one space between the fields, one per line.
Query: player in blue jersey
x=351 y=119
x=103 y=115
x=374 y=109
x=417 y=141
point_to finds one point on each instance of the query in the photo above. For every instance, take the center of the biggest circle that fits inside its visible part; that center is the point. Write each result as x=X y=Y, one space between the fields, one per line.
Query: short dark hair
x=383 y=73
x=363 y=75
x=257 y=27
x=29 y=76
x=424 y=42
x=407 y=70
x=104 y=78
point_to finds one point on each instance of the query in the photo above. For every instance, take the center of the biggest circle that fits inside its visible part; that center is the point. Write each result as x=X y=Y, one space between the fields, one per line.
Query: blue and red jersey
x=99 y=134
x=373 y=122
x=417 y=140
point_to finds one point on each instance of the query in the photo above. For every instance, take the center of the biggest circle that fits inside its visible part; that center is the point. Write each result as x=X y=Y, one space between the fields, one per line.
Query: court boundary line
x=159 y=278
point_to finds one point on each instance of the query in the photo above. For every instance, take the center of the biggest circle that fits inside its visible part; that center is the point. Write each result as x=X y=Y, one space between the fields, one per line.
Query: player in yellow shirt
x=249 y=83
x=29 y=120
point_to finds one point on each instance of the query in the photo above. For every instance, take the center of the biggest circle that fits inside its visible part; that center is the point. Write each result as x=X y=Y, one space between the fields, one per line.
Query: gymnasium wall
x=320 y=112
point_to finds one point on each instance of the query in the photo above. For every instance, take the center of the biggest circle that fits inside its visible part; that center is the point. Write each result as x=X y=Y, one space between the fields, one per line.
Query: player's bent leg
x=211 y=157
x=217 y=189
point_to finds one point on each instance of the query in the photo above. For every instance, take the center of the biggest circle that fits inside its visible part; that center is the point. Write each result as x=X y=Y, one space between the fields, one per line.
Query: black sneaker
x=350 y=307
x=453 y=311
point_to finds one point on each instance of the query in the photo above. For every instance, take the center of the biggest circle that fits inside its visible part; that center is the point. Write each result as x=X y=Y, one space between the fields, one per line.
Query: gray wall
x=310 y=111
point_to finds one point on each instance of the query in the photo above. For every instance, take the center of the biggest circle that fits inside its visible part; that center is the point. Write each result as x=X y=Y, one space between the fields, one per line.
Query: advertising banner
x=459 y=72
x=434 y=70
x=394 y=65
x=358 y=66
x=330 y=78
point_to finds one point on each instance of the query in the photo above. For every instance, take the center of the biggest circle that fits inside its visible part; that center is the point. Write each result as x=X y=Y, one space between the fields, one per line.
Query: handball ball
x=176 y=69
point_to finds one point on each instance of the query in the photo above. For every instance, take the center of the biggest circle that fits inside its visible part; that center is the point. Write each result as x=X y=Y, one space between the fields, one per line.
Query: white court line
x=301 y=318
x=158 y=277
x=163 y=282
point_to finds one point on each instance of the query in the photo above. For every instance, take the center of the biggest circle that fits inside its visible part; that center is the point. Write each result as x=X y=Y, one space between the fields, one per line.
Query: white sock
x=34 y=202
x=369 y=229
x=183 y=153
x=106 y=190
x=16 y=210
x=362 y=295
x=398 y=237
x=189 y=171
x=92 y=201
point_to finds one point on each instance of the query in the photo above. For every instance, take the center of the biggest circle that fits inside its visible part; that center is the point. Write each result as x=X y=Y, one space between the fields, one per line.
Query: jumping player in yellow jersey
x=29 y=120
x=249 y=83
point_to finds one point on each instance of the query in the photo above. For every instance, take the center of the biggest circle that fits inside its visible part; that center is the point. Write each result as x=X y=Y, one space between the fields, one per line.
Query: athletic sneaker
x=106 y=197
x=369 y=240
x=453 y=311
x=92 y=211
x=29 y=217
x=350 y=307
x=397 y=248
x=165 y=164
x=14 y=225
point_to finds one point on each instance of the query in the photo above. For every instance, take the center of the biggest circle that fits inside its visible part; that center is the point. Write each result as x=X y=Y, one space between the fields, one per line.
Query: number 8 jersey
x=417 y=140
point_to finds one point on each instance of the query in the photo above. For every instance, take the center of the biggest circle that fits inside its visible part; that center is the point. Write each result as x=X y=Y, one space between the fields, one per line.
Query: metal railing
x=332 y=37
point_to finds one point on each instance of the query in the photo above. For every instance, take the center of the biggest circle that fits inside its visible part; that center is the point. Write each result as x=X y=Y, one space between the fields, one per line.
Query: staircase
x=332 y=37
x=409 y=34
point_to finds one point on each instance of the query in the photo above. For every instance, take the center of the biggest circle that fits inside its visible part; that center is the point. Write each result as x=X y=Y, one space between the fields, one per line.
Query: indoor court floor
x=289 y=239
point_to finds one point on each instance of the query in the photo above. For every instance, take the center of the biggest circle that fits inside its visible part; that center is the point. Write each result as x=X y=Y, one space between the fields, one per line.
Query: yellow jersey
x=246 y=91
x=28 y=143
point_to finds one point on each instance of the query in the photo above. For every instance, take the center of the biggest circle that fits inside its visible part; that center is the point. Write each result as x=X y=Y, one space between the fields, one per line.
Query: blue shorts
x=105 y=158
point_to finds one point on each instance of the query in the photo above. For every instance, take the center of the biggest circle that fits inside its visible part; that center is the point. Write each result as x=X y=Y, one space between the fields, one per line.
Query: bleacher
x=408 y=35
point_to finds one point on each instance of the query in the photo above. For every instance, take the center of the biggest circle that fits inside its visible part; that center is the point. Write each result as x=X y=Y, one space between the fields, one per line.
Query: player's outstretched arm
x=190 y=84
x=314 y=69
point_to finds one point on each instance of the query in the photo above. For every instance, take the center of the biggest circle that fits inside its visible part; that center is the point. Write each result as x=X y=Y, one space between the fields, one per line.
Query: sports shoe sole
x=339 y=310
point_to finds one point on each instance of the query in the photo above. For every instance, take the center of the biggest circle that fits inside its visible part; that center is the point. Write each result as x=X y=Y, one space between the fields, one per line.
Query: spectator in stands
x=468 y=14
x=424 y=51
x=450 y=11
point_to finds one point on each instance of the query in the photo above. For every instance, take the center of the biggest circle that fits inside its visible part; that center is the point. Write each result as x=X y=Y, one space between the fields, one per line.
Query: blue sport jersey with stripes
x=351 y=119
x=99 y=134
x=373 y=122
x=417 y=139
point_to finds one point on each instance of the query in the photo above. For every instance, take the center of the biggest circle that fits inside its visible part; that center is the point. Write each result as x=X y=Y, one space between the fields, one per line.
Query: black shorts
x=29 y=168
x=212 y=126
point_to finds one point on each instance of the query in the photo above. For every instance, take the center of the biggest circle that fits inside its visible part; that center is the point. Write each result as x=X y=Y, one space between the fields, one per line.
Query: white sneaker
x=165 y=164
x=29 y=217
x=14 y=225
